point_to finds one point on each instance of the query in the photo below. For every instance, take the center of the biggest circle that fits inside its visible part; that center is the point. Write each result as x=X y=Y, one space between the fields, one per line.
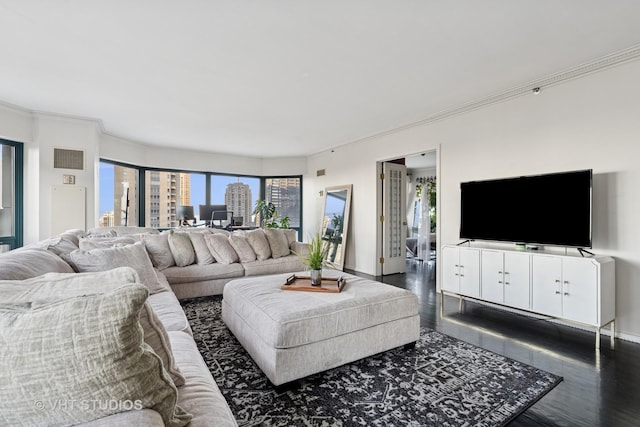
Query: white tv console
x=570 y=288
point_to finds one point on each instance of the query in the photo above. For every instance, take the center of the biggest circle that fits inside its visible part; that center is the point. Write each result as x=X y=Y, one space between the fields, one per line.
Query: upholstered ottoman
x=293 y=334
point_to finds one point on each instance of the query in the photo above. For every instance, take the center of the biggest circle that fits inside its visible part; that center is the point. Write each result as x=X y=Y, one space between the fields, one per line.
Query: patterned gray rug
x=441 y=382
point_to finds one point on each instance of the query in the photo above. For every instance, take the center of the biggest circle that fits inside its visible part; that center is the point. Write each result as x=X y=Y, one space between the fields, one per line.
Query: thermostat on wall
x=68 y=179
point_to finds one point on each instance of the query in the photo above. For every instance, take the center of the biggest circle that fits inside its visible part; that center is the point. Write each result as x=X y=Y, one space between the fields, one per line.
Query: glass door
x=10 y=195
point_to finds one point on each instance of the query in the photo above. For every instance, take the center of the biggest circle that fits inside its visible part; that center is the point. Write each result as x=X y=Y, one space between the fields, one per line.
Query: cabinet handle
x=456 y=274
x=566 y=282
x=457 y=265
x=557 y=292
x=499 y=272
x=462 y=275
x=499 y=282
x=566 y=293
x=506 y=283
x=557 y=281
x=506 y=272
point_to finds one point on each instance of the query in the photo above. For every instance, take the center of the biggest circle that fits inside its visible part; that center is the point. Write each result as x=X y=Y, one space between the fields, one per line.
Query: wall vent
x=320 y=172
x=68 y=159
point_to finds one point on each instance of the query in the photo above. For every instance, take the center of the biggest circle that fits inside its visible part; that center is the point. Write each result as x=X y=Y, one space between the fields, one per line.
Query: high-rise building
x=106 y=220
x=285 y=194
x=163 y=193
x=185 y=189
x=237 y=197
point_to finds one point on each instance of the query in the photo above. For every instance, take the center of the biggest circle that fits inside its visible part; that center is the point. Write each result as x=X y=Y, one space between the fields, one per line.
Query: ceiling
x=288 y=77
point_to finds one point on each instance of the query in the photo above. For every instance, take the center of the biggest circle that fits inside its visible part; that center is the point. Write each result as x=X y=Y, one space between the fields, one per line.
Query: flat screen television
x=550 y=209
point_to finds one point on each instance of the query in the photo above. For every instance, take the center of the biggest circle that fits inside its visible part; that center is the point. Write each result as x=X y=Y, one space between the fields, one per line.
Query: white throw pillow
x=203 y=254
x=259 y=244
x=181 y=249
x=80 y=359
x=221 y=249
x=134 y=256
x=159 y=250
x=277 y=242
x=242 y=247
x=53 y=287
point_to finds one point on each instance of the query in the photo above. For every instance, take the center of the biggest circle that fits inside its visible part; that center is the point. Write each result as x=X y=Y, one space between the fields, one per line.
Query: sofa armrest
x=300 y=248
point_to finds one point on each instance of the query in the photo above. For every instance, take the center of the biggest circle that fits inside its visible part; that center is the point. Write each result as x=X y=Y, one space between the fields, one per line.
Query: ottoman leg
x=410 y=345
x=283 y=388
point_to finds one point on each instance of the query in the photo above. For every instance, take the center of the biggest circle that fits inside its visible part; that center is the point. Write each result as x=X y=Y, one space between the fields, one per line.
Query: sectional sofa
x=67 y=302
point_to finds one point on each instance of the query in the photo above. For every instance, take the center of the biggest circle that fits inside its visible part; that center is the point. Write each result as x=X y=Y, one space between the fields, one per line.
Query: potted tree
x=315 y=259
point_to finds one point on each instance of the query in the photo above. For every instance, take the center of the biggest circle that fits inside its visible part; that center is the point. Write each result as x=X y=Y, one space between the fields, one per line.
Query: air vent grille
x=320 y=172
x=68 y=159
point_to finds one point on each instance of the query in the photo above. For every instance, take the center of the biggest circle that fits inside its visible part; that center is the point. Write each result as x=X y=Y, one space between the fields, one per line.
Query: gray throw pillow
x=80 y=359
x=54 y=287
x=159 y=250
x=241 y=245
x=203 y=254
x=26 y=263
x=181 y=249
x=134 y=256
x=277 y=242
x=259 y=244
x=221 y=249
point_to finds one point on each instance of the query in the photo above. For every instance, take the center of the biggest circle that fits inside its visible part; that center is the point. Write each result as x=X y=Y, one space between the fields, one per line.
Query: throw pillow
x=292 y=235
x=159 y=250
x=277 y=242
x=134 y=256
x=26 y=263
x=203 y=255
x=259 y=244
x=54 y=287
x=181 y=249
x=80 y=359
x=107 y=242
x=221 y=249
x=242 y=247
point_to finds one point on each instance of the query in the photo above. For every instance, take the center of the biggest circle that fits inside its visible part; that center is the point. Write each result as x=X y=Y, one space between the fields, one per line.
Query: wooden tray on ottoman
x=303 y=283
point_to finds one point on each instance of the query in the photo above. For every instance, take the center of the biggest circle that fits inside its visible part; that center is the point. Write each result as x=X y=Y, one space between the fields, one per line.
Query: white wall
x=591 y=122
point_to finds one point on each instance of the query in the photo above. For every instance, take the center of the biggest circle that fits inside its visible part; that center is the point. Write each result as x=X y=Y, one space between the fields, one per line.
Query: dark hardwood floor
x=599 y=388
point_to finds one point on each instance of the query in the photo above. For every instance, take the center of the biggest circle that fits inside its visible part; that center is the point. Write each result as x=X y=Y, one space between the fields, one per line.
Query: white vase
x=316 y=277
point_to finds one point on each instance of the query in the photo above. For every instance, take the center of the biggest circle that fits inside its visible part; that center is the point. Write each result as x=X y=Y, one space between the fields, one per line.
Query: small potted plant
x=315 y=259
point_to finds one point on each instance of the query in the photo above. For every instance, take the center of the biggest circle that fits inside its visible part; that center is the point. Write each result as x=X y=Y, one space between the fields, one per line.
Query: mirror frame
x=345 y=226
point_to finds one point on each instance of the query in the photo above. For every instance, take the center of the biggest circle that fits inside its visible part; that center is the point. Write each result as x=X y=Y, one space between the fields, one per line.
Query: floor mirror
x=335 y=223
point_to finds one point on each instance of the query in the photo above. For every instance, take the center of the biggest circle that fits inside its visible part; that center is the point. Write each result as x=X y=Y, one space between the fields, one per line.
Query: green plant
x=285 y=221
x=318 y=250
x=267 y=213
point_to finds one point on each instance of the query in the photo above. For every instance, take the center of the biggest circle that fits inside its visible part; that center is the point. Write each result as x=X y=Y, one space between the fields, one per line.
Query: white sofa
x=199 y=395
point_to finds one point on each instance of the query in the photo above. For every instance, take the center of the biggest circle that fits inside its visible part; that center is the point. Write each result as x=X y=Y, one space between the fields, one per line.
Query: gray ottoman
x=292 y=334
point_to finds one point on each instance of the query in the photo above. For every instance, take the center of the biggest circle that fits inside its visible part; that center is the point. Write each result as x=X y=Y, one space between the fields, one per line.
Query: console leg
x=441 y=303
x=598 y=338
x=613 y=334
x=460 y=304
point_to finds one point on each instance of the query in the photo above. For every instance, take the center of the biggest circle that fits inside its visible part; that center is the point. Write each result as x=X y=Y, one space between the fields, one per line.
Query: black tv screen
x=552 y=209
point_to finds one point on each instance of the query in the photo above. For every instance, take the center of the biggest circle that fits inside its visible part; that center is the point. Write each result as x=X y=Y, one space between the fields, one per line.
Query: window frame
x=16 y=240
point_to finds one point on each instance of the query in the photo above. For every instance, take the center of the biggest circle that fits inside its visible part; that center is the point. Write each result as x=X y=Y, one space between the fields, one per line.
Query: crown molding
x=585 y=69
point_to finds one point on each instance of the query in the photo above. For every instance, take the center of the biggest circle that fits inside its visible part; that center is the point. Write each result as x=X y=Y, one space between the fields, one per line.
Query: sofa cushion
x=80 y=349
x=290 y=263
x=134 y=256
x=277 y=242
x=259 y=244
x=169 y=311
x=61 y=244
x=54 y=287
x=181 y=249
x=221 y=248
x=202 y=252
x=241 y=245
x=159 y=250
x=200 y=396
x=26 y=263
x=197 y=273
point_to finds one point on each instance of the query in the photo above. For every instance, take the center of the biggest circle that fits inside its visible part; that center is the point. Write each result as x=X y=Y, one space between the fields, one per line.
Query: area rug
x=441 y=382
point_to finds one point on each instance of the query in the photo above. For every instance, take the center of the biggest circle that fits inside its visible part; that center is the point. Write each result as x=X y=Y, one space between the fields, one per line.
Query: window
x=166 y=190
x=286 y=194
x=118 y=195
x=238 y=193
x=10 y=195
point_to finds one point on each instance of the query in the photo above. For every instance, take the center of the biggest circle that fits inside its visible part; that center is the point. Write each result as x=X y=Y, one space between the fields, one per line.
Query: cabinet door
x=516 y=280
x=450 y=270
x=492 y=276
x=470 y=272
x=546 y=289
x=580 y=290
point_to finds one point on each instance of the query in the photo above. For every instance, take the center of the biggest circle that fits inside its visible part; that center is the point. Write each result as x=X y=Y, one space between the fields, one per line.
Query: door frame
x=380 y=210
